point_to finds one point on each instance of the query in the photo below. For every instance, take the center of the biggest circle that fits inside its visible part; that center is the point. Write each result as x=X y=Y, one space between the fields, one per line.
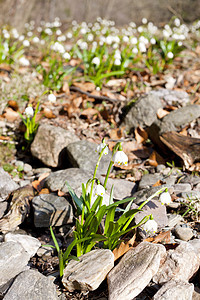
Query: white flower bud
x=52 y=98
x=96 y=61
x=100 y=148
x=29 y=112
x=165 y=198
x=99 y=190
x=150 y=226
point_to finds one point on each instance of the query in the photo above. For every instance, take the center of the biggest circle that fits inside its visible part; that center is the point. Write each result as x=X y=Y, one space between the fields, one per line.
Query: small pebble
x=184 y=234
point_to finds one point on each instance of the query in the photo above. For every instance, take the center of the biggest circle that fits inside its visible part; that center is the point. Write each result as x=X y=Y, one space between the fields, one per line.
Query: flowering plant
x=92 y=208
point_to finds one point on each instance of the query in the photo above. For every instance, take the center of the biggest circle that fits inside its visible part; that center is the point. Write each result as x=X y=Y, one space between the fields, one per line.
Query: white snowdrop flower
x=15 y=33
x=51 y=98
x=142 y=47
x=74 y=22
x=6 y=47
x=21 y=38
x=135 y=50
x=29 y=112
x=140 y=29
x=115 y=46
x=100 y=148
x=29 y=33
x=61 y=38
x=143 y=39
x=24 y=61
x=42 y=42
x=58 y=32
x=117 y=55
x=83 y=31
x=120 y=158
x=165 y=198
x=153 y=41
x=150 y=226
x=125 y=39
x=132 y=24
x=180 y=44
x=26 y=43
x=36 y=39
x=144 y=20
x=58 y=47
x=117 y=62
x=6 y=35
x=116 y=39
x=109 y=39
x=39 y=29
x=48 y=31
x=84 y=45
x=98 y=88
x=99 y=190
x=90 y=37
x=26 y=25
x=69 y=35
x=177 y=22
x=96 y=61
x=133 y=40
x=166 y=33
x=170 y=55
x=66 y=55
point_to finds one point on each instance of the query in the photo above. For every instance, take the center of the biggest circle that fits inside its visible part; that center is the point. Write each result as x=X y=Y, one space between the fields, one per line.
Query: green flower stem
x=95 y=172
x=152 y=196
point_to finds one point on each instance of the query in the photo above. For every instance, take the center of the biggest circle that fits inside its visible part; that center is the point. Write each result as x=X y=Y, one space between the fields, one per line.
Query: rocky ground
x=156 y=117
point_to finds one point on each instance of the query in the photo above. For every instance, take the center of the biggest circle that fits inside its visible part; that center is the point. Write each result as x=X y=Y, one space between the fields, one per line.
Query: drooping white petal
x=29 y=112
x=120 y=158
x=165 y=198
x=150 y=226
x=100 y=148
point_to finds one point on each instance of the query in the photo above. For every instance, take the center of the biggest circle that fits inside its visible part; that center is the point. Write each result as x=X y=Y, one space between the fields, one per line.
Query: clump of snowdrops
x=92 y=208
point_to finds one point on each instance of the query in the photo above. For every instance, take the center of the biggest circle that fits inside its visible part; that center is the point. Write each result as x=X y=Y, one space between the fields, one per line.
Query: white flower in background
x=140 y=29
x=177 y=22
x=58 y=32
x=120 y=158
x=150 y=226
x=117 y=54
x=117 y=62
x=153 y=41
x=125 y=39
x=26 y=43
x=166 y=33
x=29 y=112
x=21 y=38
x=100 y=148
x=51 y=98
x=144 y=21
x=66 y=55
x=24 y=61
x=6 y=35
x=96 y=61
x=42 y=42
x=29 y=33
x=133 y=40
x=165 y=198
x=69 y=35
x=90 y=37
x=170 y=55
x=15 y=33
x=84 y=46
x=132 y=24
x=109 y=39
x=135 y=50
x=142 y=47
x=39 y=29
x=58 y=47
x=48 y=31
x=99 y=190
x=143 y=39
x=36 y=39
x=61 y=38
x=98 y=89
x=180 y=44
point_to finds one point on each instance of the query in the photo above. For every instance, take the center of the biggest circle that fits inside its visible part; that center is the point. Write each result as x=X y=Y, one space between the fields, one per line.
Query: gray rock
x=32 y=285
x=190 y=195
x=40 y=171
x=174 y=290
x=46 y=250
x=181 y=187
x=74 y=176
x=83 y=155
x=134 y=271
x=195 y=243
x=50 y=143
x=158 y=211
x=122 y=188
x=3 y=207
x=174 y=220
x=13 y=260
x=148 y=180
x=181 y=264
x=172 y=97
x=183 y=233
x=7 y=185
x=27 y=168
x=51 y=210
x=29 y=243
x=88 y=273
x=143 y=113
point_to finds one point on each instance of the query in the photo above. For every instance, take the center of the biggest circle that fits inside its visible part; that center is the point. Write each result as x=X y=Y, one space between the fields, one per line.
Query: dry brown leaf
x=39 y=183
x=10 y=114
x=124 y=247
x=65 y=88
x=184 y=131
x=141 y=135
x=161 y=237
x=86 y=86
x=47 y=112
x=158 y=183
x=61 y=194
x=116 y=83
x=162 y=113
x=13 y=104
x=44 y=191
x=155 y=159
x=4 y=138
x=90 y=112
x=116 y=133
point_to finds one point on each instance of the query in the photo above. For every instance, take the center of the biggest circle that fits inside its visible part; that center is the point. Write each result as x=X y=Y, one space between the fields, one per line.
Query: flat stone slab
x=29 y=243
x=7 y=185
x=134 y=271
x=13 y=260
x=51 y=210
x=180 y=264
x=83 y=155
x=88 y=273
x=32 y=285
x=49 y=144
x=174 y=290
x=74 y=176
